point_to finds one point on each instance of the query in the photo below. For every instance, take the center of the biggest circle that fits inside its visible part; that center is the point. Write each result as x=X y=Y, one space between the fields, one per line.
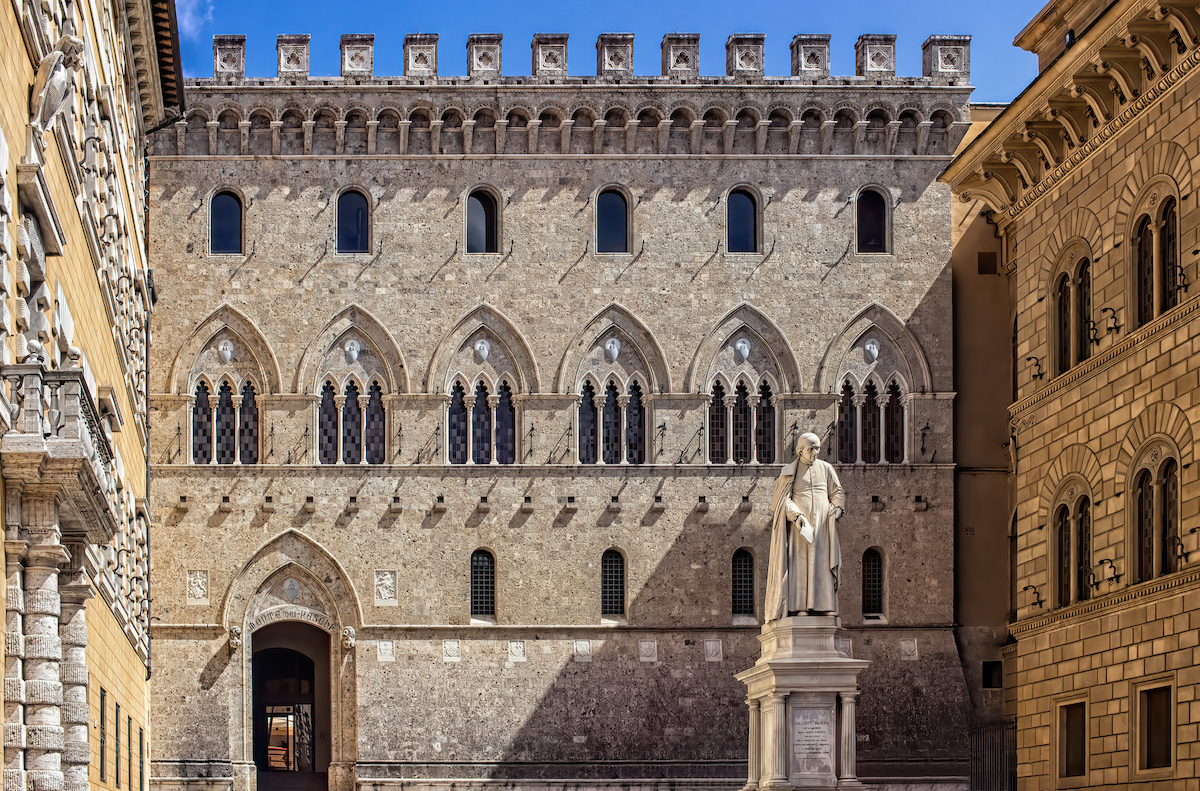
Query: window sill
x=874 y=620
x=745 y=620
x=482 y=620
x=613 y=620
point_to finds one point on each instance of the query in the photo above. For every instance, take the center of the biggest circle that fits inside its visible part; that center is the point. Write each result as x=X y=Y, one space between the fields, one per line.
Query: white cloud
x=192 y=16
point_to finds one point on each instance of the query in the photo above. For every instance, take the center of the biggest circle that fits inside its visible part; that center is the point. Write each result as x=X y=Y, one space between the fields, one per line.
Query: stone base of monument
x=801 y=693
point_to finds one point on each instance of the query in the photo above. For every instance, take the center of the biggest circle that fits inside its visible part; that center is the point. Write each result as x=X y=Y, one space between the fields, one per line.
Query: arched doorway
x=292 y=707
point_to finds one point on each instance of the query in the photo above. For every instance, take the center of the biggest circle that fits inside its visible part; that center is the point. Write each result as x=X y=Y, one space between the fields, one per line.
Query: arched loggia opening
x=292 y=707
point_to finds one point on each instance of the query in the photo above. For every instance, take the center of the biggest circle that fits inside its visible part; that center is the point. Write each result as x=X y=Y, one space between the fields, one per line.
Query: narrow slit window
x=612 y=223
x=483 y=583
x=327 y=426
x=351 y=426
x=506 y=427
x=456 y=429
x=353 y=221
x=611 y=418
x=248 y=426
x=870 y=425
x=225 y=224
x=103 y=733
x=481 y=426
x=1072 y=740
x=1169 y=254
x=1143 y=503
x=872 y=584
x=201 y=426
x=1156 y=728
x=587 y=424
x=718 y=447
x=635 y=426
x=226 y=425
x=1084 y=326
x=1169 y=510
x=743 y=583
x=764 y=427
x=482 y=234
x=872 y=222
x=893 y=430
x=1083 y=549
x=742 y=222
x=1062 y=325
x=741 y=424
x=376 y=429
x=847 y=426
x=1062 y=535
x=612 y=583
x=1144 y=276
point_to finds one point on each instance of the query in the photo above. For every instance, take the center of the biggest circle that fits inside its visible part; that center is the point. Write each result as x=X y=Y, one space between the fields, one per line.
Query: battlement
x=946 y=60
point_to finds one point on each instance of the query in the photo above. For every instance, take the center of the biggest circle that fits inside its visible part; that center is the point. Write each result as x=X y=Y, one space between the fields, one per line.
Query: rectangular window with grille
x=612 y=583
x=872 y=584
x=103 y=733
x=743 y=583
x=117 y=747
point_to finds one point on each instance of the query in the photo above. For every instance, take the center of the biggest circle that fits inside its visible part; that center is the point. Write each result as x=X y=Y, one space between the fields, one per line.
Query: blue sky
x=998 y=70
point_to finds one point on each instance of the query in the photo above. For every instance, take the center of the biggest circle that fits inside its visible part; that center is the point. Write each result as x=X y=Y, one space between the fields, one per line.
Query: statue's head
x=808 y=445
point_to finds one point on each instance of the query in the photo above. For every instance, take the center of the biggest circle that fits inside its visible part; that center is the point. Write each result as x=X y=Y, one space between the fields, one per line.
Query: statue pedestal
x=801 y=695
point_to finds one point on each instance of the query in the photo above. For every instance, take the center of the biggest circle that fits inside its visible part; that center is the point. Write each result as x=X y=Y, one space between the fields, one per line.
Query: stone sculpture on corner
x=53 y=88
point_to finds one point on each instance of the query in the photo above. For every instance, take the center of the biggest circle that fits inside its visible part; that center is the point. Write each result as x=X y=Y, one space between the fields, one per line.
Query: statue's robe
x=803 y=576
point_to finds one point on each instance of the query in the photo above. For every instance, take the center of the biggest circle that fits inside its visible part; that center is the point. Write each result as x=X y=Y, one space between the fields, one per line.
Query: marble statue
x=802 y=572
x=55 y=83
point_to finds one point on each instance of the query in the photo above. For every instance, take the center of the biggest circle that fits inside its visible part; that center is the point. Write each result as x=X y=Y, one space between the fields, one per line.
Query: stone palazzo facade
x=470 y=392
x=1089 y=178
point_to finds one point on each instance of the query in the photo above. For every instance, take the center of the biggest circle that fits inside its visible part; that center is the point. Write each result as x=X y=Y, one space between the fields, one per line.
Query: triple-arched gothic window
x=351 y=425
x=1156 y=269
x=1154 y=506
x=741 y=424
x=481 y=424
x=1074 y=327
x=225 y=424
x=1072 y=537
x=612 y=424
x=871 y=424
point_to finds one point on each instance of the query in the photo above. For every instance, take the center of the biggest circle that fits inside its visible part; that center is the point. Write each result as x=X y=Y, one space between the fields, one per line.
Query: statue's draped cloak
x=803 y=576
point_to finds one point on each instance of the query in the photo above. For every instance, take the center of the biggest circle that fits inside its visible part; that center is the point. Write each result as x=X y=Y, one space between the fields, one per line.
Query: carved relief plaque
x=647 y=650
x=451 y=651
x=583 y=650
x=197 y=586
x=385 y=588
x=385 y=650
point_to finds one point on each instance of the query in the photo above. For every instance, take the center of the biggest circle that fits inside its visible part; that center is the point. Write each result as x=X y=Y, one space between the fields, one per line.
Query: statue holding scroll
x=802 y=572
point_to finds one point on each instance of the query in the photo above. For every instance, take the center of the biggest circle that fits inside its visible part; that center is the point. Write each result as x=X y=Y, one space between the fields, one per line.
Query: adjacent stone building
x=1088 y=178
x=469 y=395
x=80 y=84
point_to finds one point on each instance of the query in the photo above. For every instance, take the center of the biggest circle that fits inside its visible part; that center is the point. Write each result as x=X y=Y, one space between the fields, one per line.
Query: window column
x=363 y=401
x=214 y=401
x=469 y=407
x=752 y=402
x=730 y=402
x=705 y=431
x=573 y=439
x=236 y=400
x=493 y=401
x=882 y=400
x=190 y=441
x=622 y=403
x=858 y=401
x=907 y=402
x=598 y=401
x=1156 y=230
x=339 y=403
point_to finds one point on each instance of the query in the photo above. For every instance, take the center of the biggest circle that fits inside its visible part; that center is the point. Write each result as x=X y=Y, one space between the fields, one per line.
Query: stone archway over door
x=292 y=704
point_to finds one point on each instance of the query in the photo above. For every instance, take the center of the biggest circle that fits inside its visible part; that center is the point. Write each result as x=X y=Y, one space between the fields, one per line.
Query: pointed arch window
x=612 y=583
x=327 y=426
x=1144 y=276
x=1062 y=325
x=612 y=222
x=847 y=426
x=587 y=424
x=456 y=426
x=764 y=428
x=201 y=426
x=872 y=584
x=483 y=583
x=248 y=426
x=718 y=438
x=870 y=425
x=1084 y=326
x=743 y=583
x=611 y=426
x=741 y=220
x=375 y=436
x=482 y=223
x=351 y=426
x=1168 y=254
x=506 y=427
x=353 y=223
x=225 y=224
x=481 y=426
x=635 y=426
x=872 y=222
x=893 y=428
x=225 y=425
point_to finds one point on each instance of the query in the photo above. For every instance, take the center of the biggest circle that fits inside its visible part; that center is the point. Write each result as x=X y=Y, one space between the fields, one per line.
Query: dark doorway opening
x=291 y=707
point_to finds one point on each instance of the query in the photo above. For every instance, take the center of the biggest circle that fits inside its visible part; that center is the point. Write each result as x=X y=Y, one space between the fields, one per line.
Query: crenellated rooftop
x=946 y=61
